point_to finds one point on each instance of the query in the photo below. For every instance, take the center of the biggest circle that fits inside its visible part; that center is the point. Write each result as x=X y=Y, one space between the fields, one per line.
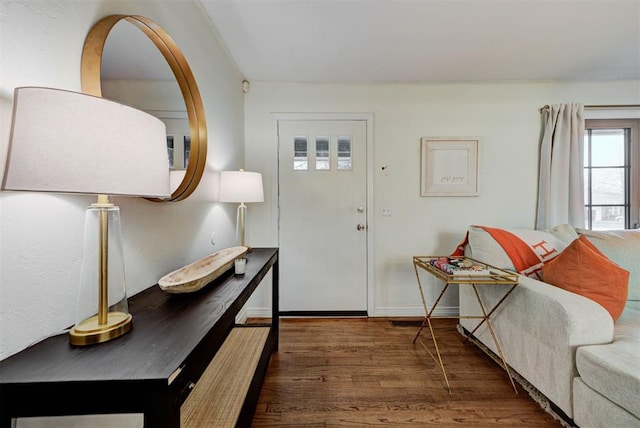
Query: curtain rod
x=546 y=106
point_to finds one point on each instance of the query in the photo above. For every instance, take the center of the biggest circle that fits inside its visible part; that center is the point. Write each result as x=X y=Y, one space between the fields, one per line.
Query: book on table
x=460 y=266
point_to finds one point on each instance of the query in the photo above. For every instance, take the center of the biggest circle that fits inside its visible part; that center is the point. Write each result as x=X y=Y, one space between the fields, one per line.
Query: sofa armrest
x=558 y=317
x=539 y=328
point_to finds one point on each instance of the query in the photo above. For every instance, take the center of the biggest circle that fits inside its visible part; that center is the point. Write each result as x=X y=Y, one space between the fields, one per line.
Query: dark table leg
x=275 y=316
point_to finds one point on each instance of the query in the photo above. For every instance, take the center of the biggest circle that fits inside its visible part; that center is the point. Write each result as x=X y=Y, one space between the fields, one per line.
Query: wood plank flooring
x=367 y=372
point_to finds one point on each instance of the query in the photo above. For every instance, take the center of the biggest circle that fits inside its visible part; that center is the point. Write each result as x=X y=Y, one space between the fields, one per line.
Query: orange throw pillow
x=582 y=269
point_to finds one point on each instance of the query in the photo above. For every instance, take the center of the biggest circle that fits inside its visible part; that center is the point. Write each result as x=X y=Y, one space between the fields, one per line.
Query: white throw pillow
x=484 y=247
x=623 y=248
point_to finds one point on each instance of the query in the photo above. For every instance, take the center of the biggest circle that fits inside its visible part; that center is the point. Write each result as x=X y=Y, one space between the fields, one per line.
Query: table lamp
x=241 y=187
x=68 y=142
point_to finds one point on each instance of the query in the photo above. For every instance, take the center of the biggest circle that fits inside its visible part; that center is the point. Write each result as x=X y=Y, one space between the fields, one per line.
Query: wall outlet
x=385 y=211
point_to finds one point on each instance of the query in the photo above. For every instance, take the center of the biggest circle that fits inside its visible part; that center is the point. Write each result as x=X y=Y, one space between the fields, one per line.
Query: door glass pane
x=608 y=186
x=300 y=154
x=607 y=147
x=344 y=153
x=322 y=153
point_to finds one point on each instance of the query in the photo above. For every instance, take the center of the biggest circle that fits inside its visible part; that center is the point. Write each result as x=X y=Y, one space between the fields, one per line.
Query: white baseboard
x=255 y=313
x=241 y=317
x=387 y=311
x=413 y=311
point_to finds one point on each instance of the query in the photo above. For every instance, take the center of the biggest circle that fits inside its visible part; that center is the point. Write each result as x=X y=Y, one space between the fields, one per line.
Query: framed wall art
x=449 y=166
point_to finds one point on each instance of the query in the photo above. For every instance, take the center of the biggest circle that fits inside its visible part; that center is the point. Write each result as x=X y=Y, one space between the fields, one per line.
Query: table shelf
x=496 y=275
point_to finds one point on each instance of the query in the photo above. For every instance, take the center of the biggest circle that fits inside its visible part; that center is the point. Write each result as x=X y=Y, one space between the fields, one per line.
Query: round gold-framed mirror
x=91 y=84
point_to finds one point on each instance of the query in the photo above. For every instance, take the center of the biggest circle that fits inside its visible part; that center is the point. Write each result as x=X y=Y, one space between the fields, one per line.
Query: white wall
x=41 y=235
x=505 y=116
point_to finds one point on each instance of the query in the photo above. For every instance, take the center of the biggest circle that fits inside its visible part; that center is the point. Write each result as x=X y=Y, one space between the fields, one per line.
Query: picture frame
x=449 y=166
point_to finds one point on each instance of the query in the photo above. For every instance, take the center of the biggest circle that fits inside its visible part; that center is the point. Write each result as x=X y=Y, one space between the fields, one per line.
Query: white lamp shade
x=241 y=186
x=63 y=141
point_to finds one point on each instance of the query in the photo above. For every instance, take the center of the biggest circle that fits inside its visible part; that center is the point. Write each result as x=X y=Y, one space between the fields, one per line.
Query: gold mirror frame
x=90 y=77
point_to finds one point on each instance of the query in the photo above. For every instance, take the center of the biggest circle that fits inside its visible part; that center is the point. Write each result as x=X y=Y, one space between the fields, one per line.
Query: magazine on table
x=460 y=266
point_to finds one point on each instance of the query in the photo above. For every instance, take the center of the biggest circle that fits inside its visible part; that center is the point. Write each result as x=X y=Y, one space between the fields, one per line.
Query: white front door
x=323 y=215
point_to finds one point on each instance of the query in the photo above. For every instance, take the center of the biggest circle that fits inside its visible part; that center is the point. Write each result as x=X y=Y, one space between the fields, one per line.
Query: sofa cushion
x=592 y=409
x=584 y=270
x=613 y=369
x=522 y=250
x=622 y=247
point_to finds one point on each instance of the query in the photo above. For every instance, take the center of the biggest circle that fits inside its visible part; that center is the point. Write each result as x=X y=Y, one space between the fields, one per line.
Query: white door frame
x=368 y=118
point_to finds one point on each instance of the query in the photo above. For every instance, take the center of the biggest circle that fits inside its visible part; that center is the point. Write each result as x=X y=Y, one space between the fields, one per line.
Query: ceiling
x=429 y=41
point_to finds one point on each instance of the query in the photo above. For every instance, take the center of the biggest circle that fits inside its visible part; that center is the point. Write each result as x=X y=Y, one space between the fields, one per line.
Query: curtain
x=561 y=175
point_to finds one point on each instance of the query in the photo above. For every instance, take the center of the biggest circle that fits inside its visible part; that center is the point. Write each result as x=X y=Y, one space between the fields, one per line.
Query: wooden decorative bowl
x=196 y=275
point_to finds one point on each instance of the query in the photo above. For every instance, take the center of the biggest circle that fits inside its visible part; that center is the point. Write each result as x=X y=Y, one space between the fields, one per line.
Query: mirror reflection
x=144 y=67
x=134 y=72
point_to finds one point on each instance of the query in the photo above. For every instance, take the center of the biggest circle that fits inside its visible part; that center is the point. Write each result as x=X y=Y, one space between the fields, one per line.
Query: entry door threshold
x=325 y=314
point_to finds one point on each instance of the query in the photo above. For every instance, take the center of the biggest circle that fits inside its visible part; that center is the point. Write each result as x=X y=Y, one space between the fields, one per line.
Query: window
x=612 y=174
x=178 y=149
x=187 y=150
x=170 y=149
x=322 y=153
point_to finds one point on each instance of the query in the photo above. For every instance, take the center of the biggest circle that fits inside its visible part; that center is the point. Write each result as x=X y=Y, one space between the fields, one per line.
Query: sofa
x=564 y=348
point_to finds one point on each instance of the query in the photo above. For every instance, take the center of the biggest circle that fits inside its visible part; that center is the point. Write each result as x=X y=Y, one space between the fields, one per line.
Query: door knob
x=361 y=226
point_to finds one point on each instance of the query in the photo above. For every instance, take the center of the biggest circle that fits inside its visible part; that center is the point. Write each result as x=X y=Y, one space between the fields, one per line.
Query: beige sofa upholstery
x=606 y=392
x=565 y=345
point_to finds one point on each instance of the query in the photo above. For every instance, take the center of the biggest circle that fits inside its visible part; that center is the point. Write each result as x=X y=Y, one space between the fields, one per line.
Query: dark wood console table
x=152 y=369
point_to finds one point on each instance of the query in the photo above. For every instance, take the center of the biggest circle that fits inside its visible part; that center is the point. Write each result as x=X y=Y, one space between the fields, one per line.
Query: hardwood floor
x=364 y=372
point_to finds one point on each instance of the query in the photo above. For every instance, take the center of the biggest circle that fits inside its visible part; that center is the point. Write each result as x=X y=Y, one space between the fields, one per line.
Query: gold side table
x=492 y=276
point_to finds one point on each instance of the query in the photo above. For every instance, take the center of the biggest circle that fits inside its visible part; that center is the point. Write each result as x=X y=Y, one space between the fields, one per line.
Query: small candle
x=240 y=265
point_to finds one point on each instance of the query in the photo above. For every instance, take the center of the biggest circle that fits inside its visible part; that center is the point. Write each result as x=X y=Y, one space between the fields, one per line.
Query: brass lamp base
x=90 y=331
